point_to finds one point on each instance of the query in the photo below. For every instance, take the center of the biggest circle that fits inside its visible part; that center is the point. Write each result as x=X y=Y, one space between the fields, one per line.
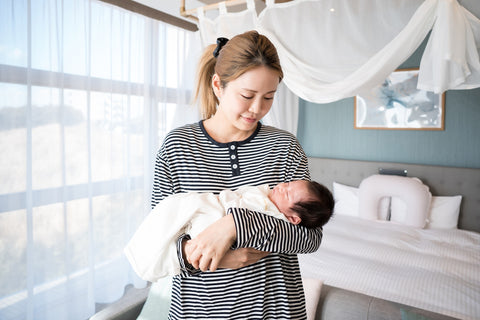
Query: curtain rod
x=188 y=13
x=153 y=13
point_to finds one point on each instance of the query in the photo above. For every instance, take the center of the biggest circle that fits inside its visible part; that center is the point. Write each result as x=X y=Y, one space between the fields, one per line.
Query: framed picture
x=397 y=104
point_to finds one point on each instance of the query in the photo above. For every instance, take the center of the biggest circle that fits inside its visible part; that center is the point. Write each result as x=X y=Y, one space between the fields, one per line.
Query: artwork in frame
x=397 y=104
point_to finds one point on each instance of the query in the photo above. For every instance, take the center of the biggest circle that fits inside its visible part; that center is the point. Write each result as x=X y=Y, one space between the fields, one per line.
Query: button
x=232 y=157
x=234 y=166
x=232 y=147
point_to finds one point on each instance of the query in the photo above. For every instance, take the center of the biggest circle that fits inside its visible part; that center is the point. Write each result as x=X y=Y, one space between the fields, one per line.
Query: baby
x=152 y=250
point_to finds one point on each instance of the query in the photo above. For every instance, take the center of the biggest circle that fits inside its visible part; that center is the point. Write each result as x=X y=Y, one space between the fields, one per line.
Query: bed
x=432 y=268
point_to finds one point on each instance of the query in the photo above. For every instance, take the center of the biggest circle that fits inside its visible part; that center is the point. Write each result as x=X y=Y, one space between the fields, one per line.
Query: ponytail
x=204 y=91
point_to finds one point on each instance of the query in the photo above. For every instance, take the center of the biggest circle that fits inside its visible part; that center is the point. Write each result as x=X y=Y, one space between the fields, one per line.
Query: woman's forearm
x=253 y=235
x=265 y=233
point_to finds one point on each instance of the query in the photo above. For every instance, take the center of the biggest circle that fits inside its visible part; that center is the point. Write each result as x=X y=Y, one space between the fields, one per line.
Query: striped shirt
x=190 y=160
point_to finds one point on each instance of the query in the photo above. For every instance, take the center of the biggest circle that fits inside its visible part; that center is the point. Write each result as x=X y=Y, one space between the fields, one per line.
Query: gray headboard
x=443 y=181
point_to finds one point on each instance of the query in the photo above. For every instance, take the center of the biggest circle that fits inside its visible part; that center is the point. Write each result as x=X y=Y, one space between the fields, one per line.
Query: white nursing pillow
x=413 y=192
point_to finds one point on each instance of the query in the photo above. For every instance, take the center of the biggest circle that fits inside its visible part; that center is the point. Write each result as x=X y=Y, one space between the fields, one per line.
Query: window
x=87 y=92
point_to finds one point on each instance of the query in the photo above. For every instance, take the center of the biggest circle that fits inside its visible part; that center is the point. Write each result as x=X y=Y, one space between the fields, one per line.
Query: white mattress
x=436 y=270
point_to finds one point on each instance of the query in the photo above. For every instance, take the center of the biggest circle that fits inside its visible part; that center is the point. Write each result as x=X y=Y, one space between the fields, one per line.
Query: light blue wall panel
x=327 y=130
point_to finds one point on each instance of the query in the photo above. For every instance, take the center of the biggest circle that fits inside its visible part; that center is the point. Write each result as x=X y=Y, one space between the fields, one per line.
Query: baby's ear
x=294 y=219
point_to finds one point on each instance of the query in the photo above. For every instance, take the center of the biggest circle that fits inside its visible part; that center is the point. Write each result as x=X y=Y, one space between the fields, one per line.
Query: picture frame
x=397 y=104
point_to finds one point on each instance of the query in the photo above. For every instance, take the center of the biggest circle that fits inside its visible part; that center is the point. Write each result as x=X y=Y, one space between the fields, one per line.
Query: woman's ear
x=216 y=85
x=294 y=219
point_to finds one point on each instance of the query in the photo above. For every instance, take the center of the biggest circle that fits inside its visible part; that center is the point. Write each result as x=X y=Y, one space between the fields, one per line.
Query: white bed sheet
x=436 y=270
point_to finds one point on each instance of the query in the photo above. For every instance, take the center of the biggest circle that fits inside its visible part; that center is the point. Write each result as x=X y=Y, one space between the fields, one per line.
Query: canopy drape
x=342 y=48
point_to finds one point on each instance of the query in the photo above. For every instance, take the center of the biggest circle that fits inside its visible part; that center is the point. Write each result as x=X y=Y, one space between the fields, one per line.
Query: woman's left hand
x=241 y=257
x=205 y=251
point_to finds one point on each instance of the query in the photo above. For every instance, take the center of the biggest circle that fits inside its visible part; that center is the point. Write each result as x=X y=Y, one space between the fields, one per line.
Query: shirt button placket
x=232 y=149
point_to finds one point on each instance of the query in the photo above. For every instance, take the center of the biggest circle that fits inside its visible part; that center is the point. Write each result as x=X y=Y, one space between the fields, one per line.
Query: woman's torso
x=268 y=289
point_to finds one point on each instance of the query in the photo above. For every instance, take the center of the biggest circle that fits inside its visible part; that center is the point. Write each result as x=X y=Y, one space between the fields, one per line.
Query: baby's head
x=303 y=202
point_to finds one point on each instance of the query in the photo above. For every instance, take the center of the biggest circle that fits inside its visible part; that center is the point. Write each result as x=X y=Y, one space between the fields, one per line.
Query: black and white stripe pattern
x=190 y=160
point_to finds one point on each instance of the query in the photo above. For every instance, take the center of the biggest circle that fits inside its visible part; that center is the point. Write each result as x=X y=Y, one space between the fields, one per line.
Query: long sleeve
x=263 y=232
x=163 y=186
x=162 y=180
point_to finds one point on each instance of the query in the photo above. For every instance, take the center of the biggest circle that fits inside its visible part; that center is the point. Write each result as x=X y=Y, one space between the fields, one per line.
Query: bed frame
x=335 y=303
x=443 y=181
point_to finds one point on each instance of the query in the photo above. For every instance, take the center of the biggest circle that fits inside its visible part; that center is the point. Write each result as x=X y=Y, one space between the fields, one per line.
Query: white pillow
x=346 y=200
x=444 y=212
x=411 y=190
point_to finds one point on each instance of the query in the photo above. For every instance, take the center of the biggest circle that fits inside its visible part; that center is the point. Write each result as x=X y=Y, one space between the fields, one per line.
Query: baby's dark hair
x=317 y=211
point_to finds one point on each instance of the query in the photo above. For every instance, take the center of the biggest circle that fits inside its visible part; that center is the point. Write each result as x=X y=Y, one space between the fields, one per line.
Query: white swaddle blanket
x=152 y=251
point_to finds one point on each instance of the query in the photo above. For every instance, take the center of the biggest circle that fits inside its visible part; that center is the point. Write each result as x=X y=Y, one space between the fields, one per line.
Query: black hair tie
x=220 y=43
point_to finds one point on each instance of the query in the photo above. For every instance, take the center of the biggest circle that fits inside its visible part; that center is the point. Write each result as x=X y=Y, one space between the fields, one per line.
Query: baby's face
x=285 y=195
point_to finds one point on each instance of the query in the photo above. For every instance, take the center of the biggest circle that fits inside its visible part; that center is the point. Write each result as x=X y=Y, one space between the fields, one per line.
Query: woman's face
x=247 y=99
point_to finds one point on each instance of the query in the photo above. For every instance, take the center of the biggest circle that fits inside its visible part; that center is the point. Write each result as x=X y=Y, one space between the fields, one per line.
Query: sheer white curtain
x=87 y=92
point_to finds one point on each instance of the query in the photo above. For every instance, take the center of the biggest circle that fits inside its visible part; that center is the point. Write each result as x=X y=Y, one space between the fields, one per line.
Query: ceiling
x=172 y=7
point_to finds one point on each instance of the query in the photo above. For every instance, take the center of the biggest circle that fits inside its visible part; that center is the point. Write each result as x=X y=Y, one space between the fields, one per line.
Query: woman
x=258 y=274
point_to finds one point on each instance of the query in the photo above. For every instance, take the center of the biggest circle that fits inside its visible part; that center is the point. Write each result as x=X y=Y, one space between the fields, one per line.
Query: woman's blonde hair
x=239 y=55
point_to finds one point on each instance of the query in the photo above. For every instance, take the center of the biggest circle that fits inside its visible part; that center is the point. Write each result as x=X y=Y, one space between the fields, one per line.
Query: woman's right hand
x=208 y=248
x=229 y=259
x=242 y=257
